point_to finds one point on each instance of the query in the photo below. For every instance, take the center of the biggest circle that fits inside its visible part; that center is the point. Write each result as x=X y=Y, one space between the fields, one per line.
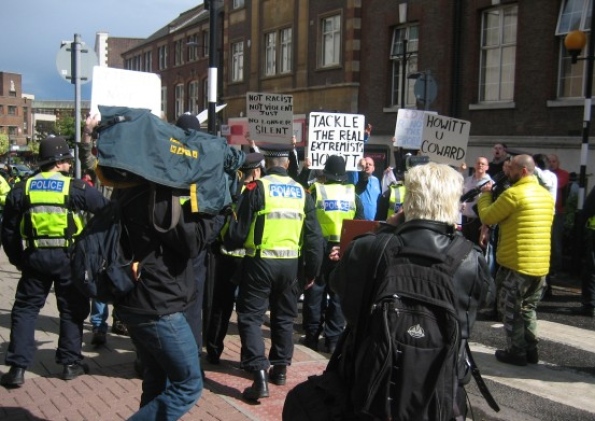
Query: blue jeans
x=172 y=382
x=99 y=315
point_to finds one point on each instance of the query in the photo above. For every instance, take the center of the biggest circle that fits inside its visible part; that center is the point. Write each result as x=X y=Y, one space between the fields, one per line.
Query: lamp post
x=575 y=42
x=212 y=67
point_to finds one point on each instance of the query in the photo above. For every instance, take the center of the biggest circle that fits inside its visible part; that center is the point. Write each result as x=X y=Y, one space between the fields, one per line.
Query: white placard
x=270 y=117
x=409 y=128
x=445 y=139
x=125 y=88
x=336 y=134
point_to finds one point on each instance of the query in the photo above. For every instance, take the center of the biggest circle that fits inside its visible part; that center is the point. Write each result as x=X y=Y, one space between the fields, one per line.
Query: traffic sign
x=65 y=61
x=425 y=85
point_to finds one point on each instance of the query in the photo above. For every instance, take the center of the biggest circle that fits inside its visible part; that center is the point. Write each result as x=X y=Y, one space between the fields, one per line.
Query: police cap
x=53 y=149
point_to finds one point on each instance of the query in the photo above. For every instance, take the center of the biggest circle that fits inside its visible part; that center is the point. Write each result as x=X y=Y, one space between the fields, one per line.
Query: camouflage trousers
x=518 y=296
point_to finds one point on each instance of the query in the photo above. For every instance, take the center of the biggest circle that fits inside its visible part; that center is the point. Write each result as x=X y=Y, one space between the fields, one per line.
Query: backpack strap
x=481 y=385
x=176 y=210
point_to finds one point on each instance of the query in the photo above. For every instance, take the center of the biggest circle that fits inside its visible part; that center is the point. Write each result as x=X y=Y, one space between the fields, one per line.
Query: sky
x=32 y=31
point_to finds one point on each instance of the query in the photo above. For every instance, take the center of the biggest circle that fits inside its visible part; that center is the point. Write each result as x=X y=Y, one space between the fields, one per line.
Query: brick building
x=15 y=109
x=515 y=83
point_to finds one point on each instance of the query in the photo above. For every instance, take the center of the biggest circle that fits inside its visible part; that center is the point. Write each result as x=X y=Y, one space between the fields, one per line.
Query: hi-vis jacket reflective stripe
x=396 y=199
x=47 y=221
x=334 y=203
x=283 y=214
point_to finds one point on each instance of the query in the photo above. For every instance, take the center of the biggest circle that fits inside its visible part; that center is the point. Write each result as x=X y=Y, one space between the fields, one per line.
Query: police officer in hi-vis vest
x=391 y=201
x=276 y=221
x=335 y=201
x=226 y=270
x=42 y=217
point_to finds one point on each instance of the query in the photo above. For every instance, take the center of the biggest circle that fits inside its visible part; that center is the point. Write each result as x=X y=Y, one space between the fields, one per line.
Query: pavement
x=111 y=391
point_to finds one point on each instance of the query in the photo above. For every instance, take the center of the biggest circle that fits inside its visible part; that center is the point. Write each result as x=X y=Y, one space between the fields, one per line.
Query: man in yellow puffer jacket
x=524 y=213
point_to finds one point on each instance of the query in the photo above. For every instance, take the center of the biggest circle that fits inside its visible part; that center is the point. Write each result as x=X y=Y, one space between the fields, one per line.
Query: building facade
x=514 y=83
x=15 y=110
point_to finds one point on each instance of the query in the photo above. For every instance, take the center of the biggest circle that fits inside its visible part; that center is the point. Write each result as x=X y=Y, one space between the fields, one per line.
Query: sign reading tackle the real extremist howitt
x=336 y=134
x=445 y=139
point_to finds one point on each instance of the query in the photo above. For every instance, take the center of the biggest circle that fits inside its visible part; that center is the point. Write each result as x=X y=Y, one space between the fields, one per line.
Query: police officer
x=334 y=201
x=41 y=219
x=391 y=201
x=227 y=264
x=274 y=215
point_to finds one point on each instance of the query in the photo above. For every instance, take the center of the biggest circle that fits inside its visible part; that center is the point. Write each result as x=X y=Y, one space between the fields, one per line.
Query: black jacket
x=473 y=284
x=166 y=283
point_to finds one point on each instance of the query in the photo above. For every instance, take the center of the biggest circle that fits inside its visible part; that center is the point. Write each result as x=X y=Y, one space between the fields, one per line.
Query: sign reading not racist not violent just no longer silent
x=336 y=134
x=270 y=117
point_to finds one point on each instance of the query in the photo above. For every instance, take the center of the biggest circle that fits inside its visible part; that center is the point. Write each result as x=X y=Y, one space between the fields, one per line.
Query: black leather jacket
x=474 y=287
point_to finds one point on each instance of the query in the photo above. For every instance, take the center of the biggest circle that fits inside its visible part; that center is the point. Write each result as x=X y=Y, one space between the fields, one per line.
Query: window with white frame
x=148 y=59
x=238 y=4
x=270 y=53
x=179 y=100
x=193 y=97
x=574 y=15
x=498 y=51
x=330 y=41
x=237 y=61
x=179 y=52
x=162 y=57
x=164 y=100
x=286 y=52
x=192 y=47
x=205 y=43
x=403 y=57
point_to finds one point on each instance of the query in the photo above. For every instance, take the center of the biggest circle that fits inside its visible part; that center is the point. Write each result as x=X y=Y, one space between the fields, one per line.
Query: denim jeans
x=172 y=382
x=99 y=315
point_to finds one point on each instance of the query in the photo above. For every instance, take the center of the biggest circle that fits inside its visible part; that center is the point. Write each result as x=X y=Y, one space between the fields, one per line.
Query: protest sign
x=409 y=129
x=336 y=134
x=270 y=117
x=126 y=88
x=445 y=139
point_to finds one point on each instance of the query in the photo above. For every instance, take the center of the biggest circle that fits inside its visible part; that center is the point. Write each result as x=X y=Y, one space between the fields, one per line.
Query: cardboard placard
x=270 y=117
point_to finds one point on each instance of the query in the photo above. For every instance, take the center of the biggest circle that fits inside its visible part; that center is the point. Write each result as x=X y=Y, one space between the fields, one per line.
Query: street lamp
x=575 y=42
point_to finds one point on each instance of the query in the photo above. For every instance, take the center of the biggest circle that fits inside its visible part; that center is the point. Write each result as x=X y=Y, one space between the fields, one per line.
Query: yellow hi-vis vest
x=283 y=218
x=47 y=221
x=396 y=199
x=334 y=203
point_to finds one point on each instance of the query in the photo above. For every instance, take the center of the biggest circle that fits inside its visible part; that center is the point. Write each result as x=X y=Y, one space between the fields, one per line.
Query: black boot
x=278 y=375
x=259 y=389
x=14 y=378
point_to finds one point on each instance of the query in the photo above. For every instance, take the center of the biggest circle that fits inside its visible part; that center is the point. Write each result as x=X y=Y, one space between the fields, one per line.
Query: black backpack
x=101 y=261
x=406 y=362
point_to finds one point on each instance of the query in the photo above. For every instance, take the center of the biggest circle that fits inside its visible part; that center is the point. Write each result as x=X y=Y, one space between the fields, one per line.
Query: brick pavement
x=112 y=391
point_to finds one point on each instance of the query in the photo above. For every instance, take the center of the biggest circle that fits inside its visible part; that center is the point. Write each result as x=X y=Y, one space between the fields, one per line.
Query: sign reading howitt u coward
x=445 y=139
x=270 y=117
x=336 y=134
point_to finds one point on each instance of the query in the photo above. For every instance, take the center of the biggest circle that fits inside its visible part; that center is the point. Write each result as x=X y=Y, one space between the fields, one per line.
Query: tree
x=4 y=144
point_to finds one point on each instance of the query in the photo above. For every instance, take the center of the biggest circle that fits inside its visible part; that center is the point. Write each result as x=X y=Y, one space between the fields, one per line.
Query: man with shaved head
x=524 y=212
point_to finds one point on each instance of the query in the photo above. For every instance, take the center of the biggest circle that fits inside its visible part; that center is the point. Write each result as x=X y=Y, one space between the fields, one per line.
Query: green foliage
x=4 y=143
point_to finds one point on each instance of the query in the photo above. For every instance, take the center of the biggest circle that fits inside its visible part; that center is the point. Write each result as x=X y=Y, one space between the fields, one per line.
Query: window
x=148 y=59
x=1 y=109
x=574 y=14
x=238 y=4
x=162 y=57
x=179 y=52
x=12 y=130
x=205 y=43
x=404 y=48
x=192 y=47
x=164 y=100
x=179 y=100
x=12 y=110
x=331 y=41
x=237 y=61
x=26 y=120
x=270 y=53
x=193 y=97
x=286 y=51
x=498 y=51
